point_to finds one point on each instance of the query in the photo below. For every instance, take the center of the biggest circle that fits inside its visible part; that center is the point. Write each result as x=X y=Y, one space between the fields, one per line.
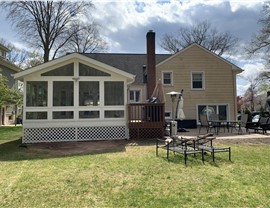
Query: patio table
x=223 y=123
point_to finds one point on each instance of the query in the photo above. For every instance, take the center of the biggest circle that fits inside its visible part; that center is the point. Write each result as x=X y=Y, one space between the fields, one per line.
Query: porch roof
x=75 y=56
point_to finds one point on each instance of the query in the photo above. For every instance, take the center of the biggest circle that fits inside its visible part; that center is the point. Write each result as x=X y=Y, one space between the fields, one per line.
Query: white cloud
x=252 y=69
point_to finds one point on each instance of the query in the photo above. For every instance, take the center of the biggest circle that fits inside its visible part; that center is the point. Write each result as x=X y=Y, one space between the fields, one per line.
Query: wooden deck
x=146 y=120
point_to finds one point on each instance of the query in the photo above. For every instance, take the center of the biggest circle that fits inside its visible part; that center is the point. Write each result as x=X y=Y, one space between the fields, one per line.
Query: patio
x=245 y=137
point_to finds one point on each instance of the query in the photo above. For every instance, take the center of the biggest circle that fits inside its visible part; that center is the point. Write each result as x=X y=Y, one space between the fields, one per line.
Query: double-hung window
x=134 y=96
x=197 y=80
x=167 y=78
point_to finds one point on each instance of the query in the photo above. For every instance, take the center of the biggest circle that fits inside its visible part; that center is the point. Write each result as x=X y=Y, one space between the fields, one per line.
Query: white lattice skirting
x=63 y=134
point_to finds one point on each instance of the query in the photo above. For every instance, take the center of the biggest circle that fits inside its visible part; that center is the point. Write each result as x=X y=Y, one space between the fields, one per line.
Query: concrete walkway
x=226 y=134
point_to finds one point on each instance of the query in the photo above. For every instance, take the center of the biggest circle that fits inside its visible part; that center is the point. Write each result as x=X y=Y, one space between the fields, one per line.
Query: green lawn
x=131 y=178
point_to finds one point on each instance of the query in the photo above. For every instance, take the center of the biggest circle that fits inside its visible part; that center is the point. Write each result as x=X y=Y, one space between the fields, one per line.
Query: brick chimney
x=151 y=62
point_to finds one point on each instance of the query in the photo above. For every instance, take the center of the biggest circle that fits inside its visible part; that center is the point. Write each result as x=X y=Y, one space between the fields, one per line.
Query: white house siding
x=75 y=129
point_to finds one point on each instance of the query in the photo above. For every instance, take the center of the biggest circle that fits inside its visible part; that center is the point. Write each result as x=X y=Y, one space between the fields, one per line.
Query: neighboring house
x=7 y=69
x=84 y=96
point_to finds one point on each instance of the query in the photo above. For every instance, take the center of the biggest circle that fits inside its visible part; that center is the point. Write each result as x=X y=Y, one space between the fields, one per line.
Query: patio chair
x=205 y=143
x=205 y=123
x=242 y=123
x=262 y=125
x=217 y=123
x=178 y=145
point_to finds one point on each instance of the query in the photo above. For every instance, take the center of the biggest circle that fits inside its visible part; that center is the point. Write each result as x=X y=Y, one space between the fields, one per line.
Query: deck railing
x=146 y=120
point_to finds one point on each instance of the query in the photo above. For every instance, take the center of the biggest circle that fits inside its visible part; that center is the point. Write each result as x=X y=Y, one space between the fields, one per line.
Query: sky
x=124 y=24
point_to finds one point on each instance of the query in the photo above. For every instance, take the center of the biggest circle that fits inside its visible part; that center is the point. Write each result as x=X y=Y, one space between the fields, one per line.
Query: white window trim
x=203 y=80
x=215 y=104
x=135 y=89
x=162 y=75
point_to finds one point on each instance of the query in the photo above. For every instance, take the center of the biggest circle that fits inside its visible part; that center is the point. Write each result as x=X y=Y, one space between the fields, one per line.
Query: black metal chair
x=205 y=143
x=178 y=145
x=205 y=123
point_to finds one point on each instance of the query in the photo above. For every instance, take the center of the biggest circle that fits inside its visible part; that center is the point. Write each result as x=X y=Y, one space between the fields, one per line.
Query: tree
x=46 y=25
x=202 y=34
x=85 y=39
x=16 y=56
x=8 y=95
x=250 y=98
x=260 y=43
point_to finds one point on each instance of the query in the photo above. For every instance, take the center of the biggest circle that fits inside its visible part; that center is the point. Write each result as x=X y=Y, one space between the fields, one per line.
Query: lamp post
x=173 y=125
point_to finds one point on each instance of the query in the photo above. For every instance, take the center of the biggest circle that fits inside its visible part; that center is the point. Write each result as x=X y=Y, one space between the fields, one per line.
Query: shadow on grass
x=195 y=160
x=16 y=151
x=141 y=142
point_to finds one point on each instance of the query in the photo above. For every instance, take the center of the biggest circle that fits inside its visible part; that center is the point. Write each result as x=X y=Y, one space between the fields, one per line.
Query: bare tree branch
x=47 y=25
x=202 y=34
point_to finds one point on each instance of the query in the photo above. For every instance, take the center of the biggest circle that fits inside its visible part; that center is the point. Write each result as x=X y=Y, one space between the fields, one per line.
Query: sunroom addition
x=74 y=98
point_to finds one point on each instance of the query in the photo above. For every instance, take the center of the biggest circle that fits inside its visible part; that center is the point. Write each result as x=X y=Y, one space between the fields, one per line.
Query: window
x=36 y=93
x=134 y=96
x=62 y=93
x=66 y=70
x=89 y=93
x=167 y=78
x=89 y=114
x=197 y=80
x=168 y=115
x=63 y=115
x=114 y=93
x=36 y=115
x=114 y=114
x=85 y=70
x=209 y=110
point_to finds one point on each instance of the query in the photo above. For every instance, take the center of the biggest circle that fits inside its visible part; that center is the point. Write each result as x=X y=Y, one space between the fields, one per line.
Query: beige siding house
x=208 y=81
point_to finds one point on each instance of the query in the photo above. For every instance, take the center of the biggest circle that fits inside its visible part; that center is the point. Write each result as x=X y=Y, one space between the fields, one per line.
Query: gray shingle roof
x=131 y=63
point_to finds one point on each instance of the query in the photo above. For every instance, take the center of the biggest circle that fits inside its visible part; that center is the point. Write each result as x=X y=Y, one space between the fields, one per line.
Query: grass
x=131 y=178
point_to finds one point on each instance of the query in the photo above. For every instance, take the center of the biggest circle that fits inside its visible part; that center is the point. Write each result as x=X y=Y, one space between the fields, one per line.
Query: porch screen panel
x=36 y=93
x=89 y=114
x=114 y=114
x=63 y=93
x=36 y=115
x=63 y=115
x=89 y=93
x=67 y=70
x=85 y=70
x=114 y=93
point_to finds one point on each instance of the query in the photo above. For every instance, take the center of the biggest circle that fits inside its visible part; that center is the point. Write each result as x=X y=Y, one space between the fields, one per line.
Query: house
x=81 y=97
x=208 y=81
x=7 y=69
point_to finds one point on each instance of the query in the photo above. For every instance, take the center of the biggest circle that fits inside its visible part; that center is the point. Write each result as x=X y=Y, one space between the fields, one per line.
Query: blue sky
x=124 y=24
